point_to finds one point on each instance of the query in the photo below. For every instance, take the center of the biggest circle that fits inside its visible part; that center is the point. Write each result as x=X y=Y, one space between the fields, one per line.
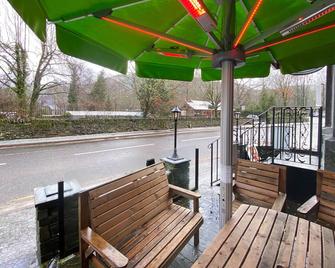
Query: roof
x=199 y=105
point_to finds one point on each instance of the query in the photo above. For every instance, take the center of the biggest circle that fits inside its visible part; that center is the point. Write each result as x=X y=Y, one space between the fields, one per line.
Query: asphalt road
x=23 y=169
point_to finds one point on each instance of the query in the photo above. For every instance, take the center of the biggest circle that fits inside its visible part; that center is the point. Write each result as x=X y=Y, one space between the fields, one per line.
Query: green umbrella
x=169 y=39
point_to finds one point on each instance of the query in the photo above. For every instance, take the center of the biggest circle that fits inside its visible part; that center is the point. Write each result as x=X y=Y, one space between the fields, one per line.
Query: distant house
x=194 y=108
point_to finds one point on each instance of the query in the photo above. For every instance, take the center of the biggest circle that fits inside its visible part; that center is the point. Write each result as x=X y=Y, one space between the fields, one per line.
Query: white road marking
x=198 y=139
x=115 y=149
x=3 y=164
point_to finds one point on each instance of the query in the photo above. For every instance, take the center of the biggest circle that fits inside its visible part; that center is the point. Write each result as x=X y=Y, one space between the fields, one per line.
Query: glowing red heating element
x=251 y=16
x=173 y=55
x=198 y=10
x=257 y=49
x=194 y=7
x=157 y=35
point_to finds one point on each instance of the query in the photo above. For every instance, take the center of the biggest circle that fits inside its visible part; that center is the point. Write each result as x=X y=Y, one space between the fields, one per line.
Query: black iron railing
x=291 y=134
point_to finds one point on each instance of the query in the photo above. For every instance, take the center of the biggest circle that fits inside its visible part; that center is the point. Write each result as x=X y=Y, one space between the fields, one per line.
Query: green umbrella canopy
x=166 y=42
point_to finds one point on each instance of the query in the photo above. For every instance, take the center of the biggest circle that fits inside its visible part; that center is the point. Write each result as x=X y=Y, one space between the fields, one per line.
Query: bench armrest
x=188 y=194
x=184 y=192
x=111 y=255
x=279 y=202
x=308 y=205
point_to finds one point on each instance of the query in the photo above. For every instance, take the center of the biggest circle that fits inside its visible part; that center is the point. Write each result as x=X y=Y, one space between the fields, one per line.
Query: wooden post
x=196 y=210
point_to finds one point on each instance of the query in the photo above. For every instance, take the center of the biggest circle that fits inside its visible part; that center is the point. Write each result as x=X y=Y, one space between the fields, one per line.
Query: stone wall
x=41 y=128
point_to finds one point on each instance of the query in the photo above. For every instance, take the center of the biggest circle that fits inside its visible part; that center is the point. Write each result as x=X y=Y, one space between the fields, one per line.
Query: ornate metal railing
x=291 y=134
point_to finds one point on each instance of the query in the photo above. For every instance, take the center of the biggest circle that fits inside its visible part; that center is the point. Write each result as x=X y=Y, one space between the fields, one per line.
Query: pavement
x=98 y=137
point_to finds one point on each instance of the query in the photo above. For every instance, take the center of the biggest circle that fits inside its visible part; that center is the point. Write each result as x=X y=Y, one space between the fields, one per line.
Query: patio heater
x=176 y=113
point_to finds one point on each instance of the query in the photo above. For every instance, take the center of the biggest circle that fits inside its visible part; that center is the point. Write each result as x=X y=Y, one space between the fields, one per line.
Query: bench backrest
x=118 y=208
x=325 y=190
x=258 y=182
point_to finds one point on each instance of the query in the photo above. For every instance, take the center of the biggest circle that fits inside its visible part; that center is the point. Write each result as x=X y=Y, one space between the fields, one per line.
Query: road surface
x=23 y=169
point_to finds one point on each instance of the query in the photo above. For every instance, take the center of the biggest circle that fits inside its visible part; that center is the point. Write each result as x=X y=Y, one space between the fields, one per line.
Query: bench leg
x=84 y=261
x=196 y=238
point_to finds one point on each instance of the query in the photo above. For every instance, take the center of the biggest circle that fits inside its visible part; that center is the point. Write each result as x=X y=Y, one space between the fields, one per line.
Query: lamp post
x=176 y=113
x=237 y=117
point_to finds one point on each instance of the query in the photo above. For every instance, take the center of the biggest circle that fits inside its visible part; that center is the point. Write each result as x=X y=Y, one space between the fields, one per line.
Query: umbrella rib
x=274 y=63
x=247 y=23
x=166 y=32
x=152 y=33
x=288 y=39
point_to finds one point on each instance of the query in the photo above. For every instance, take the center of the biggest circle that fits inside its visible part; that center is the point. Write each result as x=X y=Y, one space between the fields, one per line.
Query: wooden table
x=260 y=237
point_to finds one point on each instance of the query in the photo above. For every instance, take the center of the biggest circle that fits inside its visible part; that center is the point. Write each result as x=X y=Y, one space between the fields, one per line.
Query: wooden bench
x=323 y=203
x=260 y=184
x=132 y=221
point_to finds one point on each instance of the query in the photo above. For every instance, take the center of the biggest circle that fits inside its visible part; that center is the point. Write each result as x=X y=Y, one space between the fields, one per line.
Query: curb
x=86 y=138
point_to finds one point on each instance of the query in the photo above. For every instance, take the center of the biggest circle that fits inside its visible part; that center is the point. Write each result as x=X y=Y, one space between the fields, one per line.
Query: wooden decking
x=260 y=237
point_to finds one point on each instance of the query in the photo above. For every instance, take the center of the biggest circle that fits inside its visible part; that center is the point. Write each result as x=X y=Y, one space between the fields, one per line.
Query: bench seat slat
x=130 y=202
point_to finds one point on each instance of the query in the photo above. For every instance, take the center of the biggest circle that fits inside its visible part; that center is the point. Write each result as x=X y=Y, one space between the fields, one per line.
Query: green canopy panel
x=112 y=44
x=32 y=14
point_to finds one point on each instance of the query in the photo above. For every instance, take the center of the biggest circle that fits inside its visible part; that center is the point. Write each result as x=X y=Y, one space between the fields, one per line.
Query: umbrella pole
x=226 y=147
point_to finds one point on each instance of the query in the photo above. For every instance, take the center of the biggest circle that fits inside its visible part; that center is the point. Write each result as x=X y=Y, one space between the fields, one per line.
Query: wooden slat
x=236 y=205
x=117 y=208
x=125 y=180
x=220 y=238
x=261 y=166
x=150 y=243
x=134 y=211
x=299 y=253
x=229 y=245
x=308 y=205
x=110 y=254
x=327 y=203
x=243 y=246
x=149 y=227
x=260 y=240
x=148 y=253
x=152 y=211
x=267 y=180
x=266 y=186
x=117 y=192
x=286 y=244
x=328 y=189
x=328 y=248
x=266 y=199
x=327 y=174
x=257 y=190
x=177 y=243
x=136 y=219
x=314 y=258
x=328 y=182
x=326 y=210
x=270 y=251
x=279 y=202
x=326 y=218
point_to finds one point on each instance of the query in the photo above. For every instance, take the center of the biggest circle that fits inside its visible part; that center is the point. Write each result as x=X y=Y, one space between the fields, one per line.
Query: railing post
x=211 y=164
x=196 y=169
x=320 y=136
x=273 y=133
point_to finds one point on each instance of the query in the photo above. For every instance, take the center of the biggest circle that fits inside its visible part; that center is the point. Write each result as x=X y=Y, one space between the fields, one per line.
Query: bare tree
x=213 y=96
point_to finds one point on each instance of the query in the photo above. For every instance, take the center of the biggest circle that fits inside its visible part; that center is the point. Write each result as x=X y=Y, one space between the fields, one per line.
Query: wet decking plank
x=260 y=237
